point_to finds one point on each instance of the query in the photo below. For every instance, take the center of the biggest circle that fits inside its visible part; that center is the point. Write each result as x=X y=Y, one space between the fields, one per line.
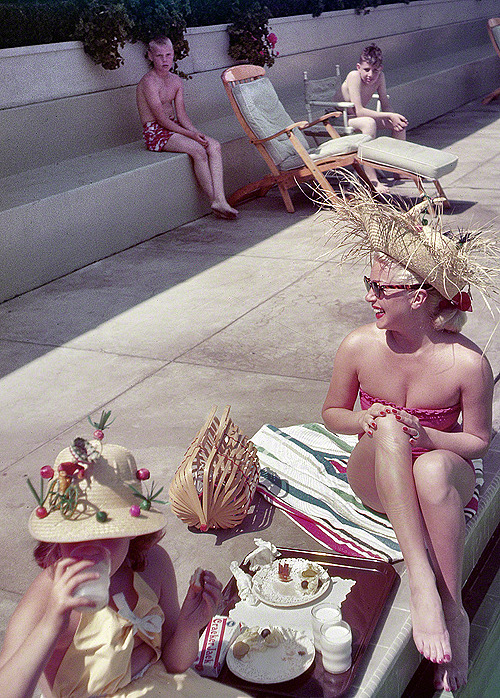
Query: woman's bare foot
x=452 y=675
x=429 y=627
x=224 y=211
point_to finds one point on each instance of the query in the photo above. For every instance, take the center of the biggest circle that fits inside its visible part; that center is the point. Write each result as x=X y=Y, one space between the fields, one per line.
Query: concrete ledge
x=68 y=227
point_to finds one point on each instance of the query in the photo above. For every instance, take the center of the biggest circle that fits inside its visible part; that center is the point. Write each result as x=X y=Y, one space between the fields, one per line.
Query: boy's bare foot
x=429 y=627
x=227 y=212
x=452 y=675
x=380 y=188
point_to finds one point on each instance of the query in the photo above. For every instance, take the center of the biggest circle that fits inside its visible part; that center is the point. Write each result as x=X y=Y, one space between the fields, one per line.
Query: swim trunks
x=155 y=136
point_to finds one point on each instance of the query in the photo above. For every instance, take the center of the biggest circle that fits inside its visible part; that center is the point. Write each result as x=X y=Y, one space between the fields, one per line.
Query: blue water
x=484 y=677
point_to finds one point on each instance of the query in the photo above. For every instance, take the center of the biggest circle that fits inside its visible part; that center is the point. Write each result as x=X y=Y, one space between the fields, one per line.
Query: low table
x=418 y=162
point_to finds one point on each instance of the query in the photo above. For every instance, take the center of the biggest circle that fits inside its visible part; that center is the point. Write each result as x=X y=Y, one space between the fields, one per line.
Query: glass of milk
x=95 y=589
x=336 y=646
x=323 y=613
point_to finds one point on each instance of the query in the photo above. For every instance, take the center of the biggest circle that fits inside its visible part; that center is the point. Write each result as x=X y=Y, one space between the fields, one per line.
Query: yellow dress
x=97 y=663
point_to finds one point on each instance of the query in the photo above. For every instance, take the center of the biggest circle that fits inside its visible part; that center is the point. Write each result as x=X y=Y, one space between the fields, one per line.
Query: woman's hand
x=411 y=426
x=201 y=600
x=368 y=418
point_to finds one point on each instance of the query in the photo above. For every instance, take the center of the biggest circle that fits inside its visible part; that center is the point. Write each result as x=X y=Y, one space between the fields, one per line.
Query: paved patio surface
x=246 y=313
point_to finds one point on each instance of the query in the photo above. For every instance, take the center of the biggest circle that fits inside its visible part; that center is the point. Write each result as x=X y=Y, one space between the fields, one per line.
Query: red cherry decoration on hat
x=41 y=512
x=143 y=474
x=47 y=472
x=135 y=510
x=99 y=434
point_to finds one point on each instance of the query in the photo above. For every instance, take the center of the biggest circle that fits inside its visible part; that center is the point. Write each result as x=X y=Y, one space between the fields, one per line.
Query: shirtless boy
x=358 y=88
x=160 y=100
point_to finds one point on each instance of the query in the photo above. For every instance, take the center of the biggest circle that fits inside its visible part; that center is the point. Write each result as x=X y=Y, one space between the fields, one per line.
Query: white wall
x=62 y=70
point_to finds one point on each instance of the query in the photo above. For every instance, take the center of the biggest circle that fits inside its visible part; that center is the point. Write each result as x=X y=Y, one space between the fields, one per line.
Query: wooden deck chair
x=494 y=33
x=279 y=140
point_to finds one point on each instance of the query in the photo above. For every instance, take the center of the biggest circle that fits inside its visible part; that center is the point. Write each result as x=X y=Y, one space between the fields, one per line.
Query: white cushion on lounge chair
x=266 y=115
x=409 y=157
x=329 y=148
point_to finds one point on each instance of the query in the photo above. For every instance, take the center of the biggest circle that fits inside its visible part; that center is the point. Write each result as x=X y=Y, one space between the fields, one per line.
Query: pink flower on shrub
x=272 y=39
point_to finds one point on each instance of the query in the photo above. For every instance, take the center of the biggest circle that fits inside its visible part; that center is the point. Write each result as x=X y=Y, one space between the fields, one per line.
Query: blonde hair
x=444 y=315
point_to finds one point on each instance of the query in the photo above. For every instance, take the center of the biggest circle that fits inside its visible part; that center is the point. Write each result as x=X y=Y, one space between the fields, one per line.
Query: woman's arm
x=38 y=621
x=338 y=410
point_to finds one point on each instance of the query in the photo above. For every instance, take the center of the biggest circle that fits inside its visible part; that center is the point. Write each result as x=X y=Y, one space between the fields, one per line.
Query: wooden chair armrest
x=325 y=117
x=297 y=124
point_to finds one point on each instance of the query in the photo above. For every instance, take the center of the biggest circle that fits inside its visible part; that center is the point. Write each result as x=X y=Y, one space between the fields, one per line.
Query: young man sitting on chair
x=358 y=88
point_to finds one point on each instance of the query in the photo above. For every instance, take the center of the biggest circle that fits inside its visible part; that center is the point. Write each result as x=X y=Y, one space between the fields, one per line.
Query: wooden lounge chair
x=279 y=140
x=494 y=32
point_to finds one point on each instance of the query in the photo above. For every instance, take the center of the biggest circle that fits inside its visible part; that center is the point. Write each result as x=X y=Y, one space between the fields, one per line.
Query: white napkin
x=265 y=553
x=244 y=584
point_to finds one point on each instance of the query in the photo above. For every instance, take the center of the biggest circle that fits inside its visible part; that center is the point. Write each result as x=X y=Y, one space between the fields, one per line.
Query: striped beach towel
x=304 y=473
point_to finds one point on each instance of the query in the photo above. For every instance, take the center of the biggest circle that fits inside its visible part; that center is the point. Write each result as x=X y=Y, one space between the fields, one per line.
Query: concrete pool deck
x=246 y=313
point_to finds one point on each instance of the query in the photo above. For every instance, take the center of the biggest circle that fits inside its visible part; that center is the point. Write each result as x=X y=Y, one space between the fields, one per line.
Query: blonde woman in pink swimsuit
x=424 y=412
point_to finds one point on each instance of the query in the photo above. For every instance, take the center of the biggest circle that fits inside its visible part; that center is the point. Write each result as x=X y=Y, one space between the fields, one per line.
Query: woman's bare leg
x=391 y=488
x=445 y=483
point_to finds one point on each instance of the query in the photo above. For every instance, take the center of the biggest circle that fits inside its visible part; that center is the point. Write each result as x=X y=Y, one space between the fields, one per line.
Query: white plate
x=290 y=659
x=265 y=589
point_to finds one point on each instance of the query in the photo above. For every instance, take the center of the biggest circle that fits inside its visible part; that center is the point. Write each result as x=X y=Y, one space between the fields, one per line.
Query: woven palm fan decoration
x=216 y=481
x=451 y=262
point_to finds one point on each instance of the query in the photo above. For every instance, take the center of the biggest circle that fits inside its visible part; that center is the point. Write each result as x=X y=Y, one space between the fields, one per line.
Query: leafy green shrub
x=25 y=23
x=104 y=26
x=249 y=37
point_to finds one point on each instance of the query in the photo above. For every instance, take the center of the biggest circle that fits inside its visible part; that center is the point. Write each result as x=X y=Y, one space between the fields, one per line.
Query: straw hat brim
x=423 y=255
x=107 y=488
x=451 y=262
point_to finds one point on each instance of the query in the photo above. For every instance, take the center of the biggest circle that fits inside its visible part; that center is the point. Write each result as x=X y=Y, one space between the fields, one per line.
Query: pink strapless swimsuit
x=442 y=419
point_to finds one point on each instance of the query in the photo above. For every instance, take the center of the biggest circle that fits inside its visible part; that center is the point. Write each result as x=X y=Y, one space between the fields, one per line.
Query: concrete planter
x=40 y=73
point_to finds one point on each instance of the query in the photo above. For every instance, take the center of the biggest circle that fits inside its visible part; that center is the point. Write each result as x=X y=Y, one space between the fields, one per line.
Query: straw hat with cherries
x=94 y=491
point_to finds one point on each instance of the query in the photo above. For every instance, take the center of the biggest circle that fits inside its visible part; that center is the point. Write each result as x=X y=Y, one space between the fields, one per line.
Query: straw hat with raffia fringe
x=107 y=494
x=416 y=239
